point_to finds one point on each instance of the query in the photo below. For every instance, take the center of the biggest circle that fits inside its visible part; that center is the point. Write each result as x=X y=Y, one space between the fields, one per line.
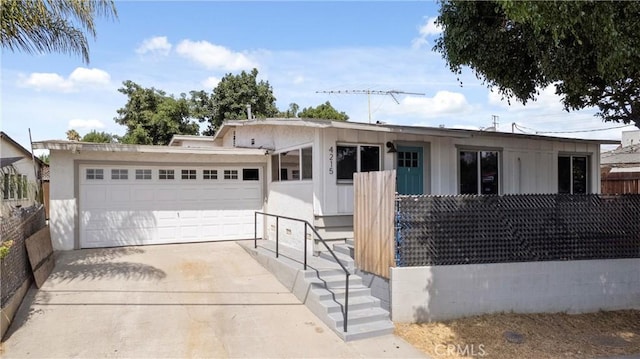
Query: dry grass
x=545 y=335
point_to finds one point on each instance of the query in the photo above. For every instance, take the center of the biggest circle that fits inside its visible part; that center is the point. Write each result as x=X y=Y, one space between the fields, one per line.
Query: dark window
x=250 y=174
x=230 y=174
x=6 y=187
x=166 y=174
x=25 y=186
x=210 y=174
x=573 y=174
x=564 y=174
x=275 y=167
x=346 y=161
x=408 y=159
x=369 y=158
x=307 y=163
x=119 y=174
x=479 y=172
x=283 y=174
x=19 y=185
x=189 y=174
x=94 y=174
x=143 y=174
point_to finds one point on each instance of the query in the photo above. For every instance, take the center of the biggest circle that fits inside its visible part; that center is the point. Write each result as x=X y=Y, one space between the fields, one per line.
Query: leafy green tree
x=323 y=111
x=152 y=117
x=588 y=50
x=44 y=26
x=44 y=158
x=291 y=112
x=231 y=97
x=73 y=135
x=98 y=137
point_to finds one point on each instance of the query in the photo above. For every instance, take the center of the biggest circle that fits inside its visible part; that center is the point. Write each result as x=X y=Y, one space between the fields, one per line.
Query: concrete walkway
x=178 y=301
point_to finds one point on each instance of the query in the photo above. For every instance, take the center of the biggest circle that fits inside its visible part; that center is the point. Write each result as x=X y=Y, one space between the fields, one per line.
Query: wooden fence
x=373 y=221
x=620 y=182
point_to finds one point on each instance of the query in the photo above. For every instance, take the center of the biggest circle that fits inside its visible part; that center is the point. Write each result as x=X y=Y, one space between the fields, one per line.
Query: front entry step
x=322 y=288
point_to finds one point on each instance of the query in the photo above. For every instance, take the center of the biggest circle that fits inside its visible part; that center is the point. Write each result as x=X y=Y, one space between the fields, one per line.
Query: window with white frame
x=573 y=174
x=143 y=174
x=12 y=186
x=166 y=174
x=189 y=174
x=6 y=186
x=231 y=174
x=25 y=187
x=19 y=185
x=210 y=174
x=94 y=174
x=293 y=165
x=356 y=158
x=119 y=174
x=479 y=172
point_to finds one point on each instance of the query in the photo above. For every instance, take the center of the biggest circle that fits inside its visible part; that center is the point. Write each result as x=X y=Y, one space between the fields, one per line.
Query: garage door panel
x=119 y=212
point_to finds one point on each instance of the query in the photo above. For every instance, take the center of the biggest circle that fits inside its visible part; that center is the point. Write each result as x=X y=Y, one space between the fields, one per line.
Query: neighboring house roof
x=623 y=156
x=177 y=140
x=5 y=138
x=415 y=130
x=4 y=162
x=75 y=146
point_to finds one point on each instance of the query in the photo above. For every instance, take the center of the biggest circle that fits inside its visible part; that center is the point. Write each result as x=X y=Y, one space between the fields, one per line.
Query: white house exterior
x=20 y=172
x=292 y=167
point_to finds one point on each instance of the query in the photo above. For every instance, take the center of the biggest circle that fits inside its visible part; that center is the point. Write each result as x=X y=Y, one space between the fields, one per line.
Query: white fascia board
x=115 y=147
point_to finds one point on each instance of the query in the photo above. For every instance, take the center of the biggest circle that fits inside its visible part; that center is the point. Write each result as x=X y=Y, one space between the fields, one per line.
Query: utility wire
x=520 y=127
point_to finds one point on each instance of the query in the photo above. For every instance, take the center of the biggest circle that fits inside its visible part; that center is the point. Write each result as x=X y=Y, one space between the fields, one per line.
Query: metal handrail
x=306 y=223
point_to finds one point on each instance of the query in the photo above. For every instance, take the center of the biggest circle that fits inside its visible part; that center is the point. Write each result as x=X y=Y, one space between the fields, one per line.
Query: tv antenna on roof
x=391 y=93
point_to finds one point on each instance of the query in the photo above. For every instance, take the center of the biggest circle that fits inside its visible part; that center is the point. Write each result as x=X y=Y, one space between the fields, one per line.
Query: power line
x=520 y=128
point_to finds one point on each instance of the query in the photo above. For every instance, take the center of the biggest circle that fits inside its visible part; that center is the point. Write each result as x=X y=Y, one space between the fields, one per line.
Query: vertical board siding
x=373 y=225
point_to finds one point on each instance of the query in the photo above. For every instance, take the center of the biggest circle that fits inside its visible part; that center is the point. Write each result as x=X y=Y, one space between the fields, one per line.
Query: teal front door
x=410 y=170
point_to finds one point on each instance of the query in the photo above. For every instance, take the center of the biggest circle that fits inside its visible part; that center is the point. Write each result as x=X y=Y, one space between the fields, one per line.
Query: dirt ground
x=506 y=336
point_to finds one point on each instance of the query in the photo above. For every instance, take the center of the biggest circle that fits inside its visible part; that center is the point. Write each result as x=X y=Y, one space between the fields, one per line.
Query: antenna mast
x=391 y=93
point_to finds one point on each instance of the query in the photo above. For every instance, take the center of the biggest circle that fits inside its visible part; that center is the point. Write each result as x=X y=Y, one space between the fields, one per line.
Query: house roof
x=415 y=130
x=177 y=140
x=76 y=146
x=6 y=161
x=628 y=155
x=5 y=138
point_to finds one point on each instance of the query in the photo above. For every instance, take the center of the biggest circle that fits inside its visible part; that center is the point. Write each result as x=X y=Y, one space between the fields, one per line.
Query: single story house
x=20 y=175
x=207 y=188
x=620 y=168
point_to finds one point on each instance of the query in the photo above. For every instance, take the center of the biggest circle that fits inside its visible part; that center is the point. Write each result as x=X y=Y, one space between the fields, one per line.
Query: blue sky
x=299 y=47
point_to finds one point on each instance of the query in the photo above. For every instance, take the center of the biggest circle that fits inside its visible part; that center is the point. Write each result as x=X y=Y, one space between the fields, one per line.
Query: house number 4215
x=331 y=160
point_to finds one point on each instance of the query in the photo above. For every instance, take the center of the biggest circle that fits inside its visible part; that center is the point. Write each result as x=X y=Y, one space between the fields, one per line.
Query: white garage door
x=138 y=205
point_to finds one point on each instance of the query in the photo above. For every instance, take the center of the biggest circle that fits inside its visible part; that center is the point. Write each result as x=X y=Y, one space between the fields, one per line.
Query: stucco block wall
x=290 y=199
x=421 y=294
x=380 y=288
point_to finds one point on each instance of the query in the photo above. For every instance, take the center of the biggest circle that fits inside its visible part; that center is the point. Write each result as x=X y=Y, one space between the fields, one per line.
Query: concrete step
x=360 y=316
x=344 y=259
x=355 y=303
x=338 y=294
x=349 y=241
x=343 y=248
x=368 y=330
x=325 y=272
x=337 y=281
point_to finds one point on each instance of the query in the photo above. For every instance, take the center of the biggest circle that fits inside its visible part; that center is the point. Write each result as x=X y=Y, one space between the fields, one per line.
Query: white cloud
x=443 y=103
x=211 y=82
x=214 y=56
x=90 y=124
x=83 y=75
x=155 y=45
x=43 y=81
x=429 y=28
x=80 y=78
x=298 y=80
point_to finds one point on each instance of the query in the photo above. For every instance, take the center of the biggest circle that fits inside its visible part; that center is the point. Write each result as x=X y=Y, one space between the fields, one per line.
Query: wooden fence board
x=40 y=253
x=373 y=225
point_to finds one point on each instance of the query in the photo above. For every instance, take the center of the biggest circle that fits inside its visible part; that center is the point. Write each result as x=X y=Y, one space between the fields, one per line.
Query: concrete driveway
x=180 y=301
